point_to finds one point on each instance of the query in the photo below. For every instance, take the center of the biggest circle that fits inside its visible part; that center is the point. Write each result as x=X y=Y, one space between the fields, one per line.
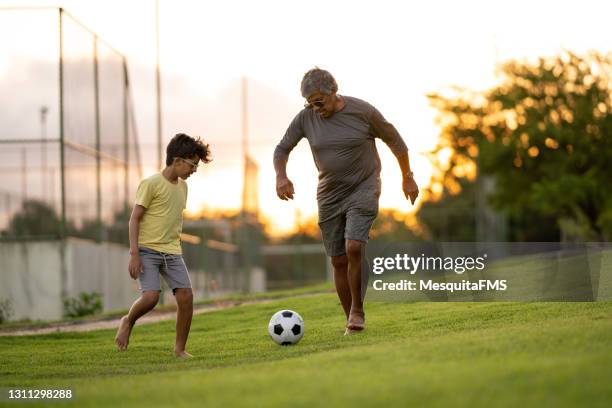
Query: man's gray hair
x=318 y=79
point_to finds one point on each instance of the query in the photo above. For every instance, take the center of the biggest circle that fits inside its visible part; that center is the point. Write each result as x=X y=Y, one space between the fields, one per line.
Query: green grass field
x=435 y=354
x=115 y=314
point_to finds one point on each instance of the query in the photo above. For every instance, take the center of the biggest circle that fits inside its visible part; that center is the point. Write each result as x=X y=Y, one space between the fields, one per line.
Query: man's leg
x=340 y=264
x=184 y=313
x=140 y=307
x=332 y=232
x=365 y=272
x=354 y=253
x=362 y=208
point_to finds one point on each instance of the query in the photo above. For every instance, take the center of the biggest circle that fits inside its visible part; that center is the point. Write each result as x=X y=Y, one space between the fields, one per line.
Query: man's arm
x=284 y=186
x=387 y=132
x=411 y=190
x=404 y=163
x=295 y=132
x=280 y=165
x=135 y=265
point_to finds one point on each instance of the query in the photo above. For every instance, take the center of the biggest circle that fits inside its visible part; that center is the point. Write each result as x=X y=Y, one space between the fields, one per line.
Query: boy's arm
x=135 y=265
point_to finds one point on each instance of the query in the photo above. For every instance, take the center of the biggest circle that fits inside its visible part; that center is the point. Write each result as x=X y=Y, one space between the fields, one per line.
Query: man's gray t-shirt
x=343 y=149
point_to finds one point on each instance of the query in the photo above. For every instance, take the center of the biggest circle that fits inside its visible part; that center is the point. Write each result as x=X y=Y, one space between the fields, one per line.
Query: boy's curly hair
x=185 y=146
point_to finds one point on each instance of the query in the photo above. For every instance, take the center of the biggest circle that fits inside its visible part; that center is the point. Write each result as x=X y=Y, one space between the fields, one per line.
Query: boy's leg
x=141 y=306
x=175 y=272
x=184 y=314
x=150 y=286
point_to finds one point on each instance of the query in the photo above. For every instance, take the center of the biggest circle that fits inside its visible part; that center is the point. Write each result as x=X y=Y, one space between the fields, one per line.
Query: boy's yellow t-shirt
x=162 y=222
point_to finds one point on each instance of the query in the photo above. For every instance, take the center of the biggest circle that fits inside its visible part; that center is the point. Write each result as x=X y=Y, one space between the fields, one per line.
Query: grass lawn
x=115 y=314
x=440 y=354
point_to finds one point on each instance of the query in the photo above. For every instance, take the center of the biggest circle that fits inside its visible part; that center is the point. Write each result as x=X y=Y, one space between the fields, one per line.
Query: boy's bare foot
x=123 y=334
x=182 y=354
x=356 y=321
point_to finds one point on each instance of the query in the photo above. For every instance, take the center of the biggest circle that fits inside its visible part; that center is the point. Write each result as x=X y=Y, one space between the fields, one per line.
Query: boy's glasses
x=192 y=164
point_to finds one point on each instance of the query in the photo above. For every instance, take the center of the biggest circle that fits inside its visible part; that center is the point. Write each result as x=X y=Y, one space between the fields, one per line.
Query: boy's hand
x=135 y=266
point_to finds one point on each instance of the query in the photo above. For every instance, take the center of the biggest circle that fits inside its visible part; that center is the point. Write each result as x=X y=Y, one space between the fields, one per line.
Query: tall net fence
x=69 y=156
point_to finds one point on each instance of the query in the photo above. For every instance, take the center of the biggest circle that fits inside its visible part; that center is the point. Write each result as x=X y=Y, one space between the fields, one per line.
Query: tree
x=36 y=218
x=450 y=217
x=544 y=135
x=393 y=226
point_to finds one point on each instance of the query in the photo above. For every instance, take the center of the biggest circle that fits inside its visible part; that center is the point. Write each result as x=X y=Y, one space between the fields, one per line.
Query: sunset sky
x=389 y=53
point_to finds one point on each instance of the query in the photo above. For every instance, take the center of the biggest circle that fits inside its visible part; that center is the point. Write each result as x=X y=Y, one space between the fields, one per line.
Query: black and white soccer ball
x=286 y=327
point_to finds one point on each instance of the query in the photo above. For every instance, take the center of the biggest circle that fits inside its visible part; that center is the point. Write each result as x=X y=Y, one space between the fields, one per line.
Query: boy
x=154 y=230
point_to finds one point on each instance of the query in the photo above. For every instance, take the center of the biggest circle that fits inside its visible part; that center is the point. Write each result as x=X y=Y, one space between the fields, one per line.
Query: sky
x=389 y=53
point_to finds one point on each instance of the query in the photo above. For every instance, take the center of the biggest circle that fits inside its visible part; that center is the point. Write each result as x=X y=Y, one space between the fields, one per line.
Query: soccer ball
x=286 y=327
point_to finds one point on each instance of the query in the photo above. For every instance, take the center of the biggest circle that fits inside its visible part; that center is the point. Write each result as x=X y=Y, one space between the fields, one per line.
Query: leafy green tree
x=36 y=218
x=544 y=135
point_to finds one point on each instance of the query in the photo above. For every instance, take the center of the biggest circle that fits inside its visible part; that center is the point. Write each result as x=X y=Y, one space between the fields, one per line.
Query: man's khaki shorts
x=353 y=221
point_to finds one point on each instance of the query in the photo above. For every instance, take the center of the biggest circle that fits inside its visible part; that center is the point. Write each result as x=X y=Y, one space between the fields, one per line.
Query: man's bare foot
x=356 y=321
x=123 y=334
x=182 y=354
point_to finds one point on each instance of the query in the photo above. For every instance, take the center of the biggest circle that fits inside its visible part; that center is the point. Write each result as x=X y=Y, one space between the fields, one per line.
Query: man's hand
x=411 y=190
x=135 y=266
x=284 y=188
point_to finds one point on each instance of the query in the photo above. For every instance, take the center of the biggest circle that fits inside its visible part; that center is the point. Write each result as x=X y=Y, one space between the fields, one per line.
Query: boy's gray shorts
x=170 y=266
x=353 y=221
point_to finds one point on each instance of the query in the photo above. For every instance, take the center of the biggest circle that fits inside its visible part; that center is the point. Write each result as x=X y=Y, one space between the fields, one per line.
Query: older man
x=341 y=132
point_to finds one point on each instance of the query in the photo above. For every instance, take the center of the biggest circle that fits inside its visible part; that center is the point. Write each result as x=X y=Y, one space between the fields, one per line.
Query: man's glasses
x=319 y=103
x=193 y=165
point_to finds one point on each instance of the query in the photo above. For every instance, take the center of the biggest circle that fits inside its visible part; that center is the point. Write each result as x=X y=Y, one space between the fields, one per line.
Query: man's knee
x=353 y=248
x=339 y=262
